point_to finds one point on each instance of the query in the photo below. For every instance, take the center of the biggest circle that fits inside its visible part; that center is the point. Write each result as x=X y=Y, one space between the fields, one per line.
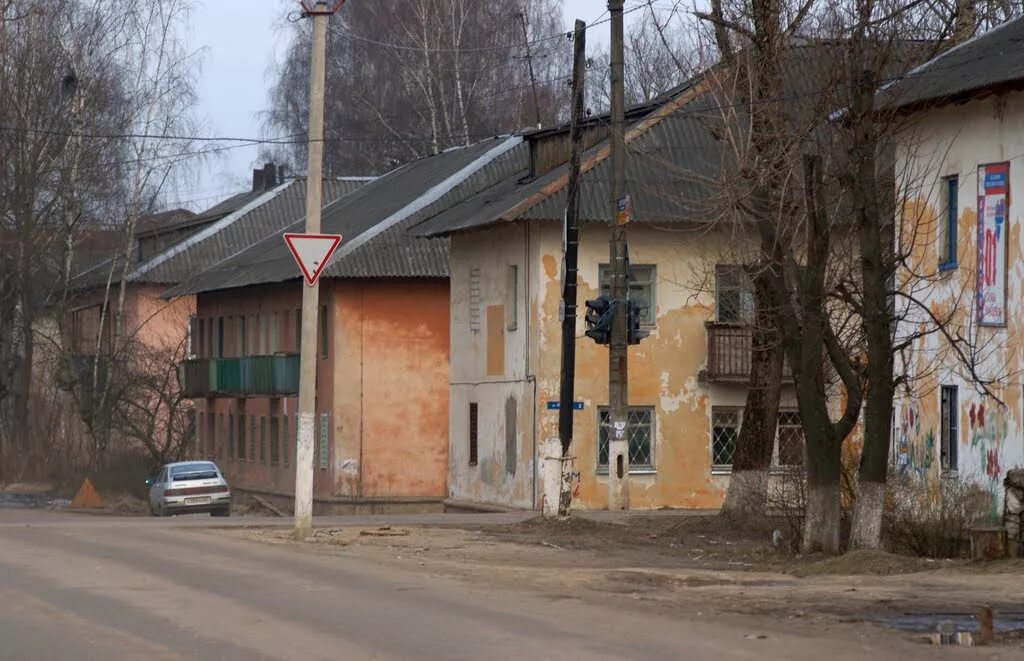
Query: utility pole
x=618 y=373
x=529 y=62
x=320 y=12
x=567 y=389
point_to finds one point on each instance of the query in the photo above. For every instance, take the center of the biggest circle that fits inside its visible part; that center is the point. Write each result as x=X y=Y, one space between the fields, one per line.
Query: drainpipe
x=530 y=377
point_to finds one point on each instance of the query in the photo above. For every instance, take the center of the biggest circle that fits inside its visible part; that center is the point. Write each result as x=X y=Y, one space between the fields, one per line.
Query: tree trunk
x=748 y=486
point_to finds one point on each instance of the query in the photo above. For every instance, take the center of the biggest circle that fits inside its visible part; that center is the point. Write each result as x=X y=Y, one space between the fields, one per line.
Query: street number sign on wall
x=312 y=252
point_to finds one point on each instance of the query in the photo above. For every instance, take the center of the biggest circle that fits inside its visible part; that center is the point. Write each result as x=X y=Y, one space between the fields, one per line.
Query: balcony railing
x=730 y=347
x=273 y=376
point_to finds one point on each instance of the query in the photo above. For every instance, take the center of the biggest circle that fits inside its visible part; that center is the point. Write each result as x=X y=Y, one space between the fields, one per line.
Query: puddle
x=955 y=622
x=30 y=501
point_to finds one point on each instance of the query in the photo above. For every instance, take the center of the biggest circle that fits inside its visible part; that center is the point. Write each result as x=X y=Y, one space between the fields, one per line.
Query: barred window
x=790 y=439
x=725 y=431
x=640 y=425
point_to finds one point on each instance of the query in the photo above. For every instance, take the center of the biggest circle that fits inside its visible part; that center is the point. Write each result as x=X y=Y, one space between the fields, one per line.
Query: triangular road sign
x=311 y=252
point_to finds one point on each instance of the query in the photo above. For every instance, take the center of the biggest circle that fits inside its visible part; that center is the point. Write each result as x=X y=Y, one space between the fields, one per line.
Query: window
x=474 y=300
x=200 y=348
x=220 y=337
x=263 y=439
x=734 y=295
x=640 y=426
x=201 y=436
x=323 y=330
x=285 y=430
x=261 y=332
x=324 y=438
x=511 y=439
x=725 y=431
x=275 y=440
x=231 y=437
x=512 y=304
x=948 y=231
x=789 y=439
x=473 y=430
x=641 y=288
x=240 y=347
x=788 y=449
x=211 y=433
x=298 y=331
x=241 y=437
x=211 y=329
x=252 y=438
x=191 y=342
x=949 y=414
x=221 y=435
x=275 y=333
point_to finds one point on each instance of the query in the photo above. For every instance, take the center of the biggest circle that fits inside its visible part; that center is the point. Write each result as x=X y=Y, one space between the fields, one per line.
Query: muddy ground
x=701 y=566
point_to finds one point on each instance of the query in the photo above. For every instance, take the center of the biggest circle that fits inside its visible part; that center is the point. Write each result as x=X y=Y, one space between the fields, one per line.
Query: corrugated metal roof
x=993 y=59
x=375 y=220
x=226 y=229
x=675 y=162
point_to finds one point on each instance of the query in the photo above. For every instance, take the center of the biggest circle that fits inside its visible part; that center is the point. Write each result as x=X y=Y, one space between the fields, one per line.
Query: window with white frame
x=641 y=288
x=788 y=449
x=640 y=425
x=734 y=295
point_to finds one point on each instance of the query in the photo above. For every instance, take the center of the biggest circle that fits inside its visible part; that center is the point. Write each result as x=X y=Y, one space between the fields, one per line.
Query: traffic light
x=633 y=321
x=599 y=320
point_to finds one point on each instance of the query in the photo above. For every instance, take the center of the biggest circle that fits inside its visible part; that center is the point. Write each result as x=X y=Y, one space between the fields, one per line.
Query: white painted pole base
x=304 y=476
x=552 y=479
x=618 y=475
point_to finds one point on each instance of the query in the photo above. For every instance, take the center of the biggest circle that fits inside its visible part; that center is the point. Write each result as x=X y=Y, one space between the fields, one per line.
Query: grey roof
x=992 y=59
x=225 y=230
x=374 y=222
x=674 y=161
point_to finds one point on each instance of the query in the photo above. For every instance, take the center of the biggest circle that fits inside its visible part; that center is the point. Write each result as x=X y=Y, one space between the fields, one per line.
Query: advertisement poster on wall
x=993 y=216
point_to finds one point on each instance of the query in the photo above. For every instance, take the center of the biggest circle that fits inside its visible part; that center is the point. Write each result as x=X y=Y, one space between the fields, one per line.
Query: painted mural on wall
x=993 y=209
x=915 y=447
x=988 y=430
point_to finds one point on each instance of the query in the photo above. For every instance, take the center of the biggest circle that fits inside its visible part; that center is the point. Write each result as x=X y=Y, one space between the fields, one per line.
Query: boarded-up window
x=474 y=300
x=512 y=298
x=496 y=340
x=473 y=429
x=275 y=440
x=252 y=438
x=263 y=439
x=324 y=330
x=285 y=431
x=324 y=439
x=511 y=444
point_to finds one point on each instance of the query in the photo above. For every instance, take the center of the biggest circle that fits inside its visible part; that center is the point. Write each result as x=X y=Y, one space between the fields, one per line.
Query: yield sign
x=311 y=252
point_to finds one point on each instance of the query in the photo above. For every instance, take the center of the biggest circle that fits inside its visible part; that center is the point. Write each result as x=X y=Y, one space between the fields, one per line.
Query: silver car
x=188 y=487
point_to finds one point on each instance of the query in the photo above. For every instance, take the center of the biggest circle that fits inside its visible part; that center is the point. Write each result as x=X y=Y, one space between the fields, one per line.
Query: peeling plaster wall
x=479 y=284
x=664 y=368
x=955 y=140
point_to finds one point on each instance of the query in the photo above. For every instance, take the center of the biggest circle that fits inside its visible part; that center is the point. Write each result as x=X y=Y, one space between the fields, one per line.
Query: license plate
x=203 y=500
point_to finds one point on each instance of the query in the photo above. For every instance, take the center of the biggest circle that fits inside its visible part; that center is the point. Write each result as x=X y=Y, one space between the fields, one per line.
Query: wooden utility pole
x=567 y=390
x=320 y=12
x=618 y=374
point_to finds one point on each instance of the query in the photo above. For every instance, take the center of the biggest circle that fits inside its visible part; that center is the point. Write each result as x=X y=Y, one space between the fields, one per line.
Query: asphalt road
x=81 y=587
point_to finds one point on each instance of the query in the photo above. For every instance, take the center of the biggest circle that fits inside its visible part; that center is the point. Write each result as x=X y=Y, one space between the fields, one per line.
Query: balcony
x=730 y=347
x=271 y=376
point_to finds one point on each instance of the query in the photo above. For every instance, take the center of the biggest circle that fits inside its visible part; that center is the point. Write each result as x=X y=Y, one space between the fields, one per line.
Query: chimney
x=269 y=176
x=257 y=180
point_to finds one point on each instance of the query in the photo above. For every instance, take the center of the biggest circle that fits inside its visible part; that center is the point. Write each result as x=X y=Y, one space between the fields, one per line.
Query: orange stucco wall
x=383 y=386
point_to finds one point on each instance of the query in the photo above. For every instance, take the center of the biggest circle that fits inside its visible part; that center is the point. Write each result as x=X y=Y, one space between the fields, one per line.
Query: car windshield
x=202 y=470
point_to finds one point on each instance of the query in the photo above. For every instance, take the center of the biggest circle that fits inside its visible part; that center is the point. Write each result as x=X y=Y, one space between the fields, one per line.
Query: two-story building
x=687 y=380
x=384 y=345
x=960 y=143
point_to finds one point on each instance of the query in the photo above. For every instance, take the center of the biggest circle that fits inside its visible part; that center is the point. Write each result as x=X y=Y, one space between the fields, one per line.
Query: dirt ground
x=698 y=565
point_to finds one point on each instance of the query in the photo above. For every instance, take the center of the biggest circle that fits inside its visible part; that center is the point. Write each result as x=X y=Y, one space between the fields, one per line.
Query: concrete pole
x=311 y=294
x=618 y=374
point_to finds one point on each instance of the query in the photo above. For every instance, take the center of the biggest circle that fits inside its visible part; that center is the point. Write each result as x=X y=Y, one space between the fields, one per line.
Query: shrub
x=932 y=518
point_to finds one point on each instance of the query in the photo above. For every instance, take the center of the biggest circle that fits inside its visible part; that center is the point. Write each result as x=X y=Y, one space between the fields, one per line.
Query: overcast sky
x=241 y=39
